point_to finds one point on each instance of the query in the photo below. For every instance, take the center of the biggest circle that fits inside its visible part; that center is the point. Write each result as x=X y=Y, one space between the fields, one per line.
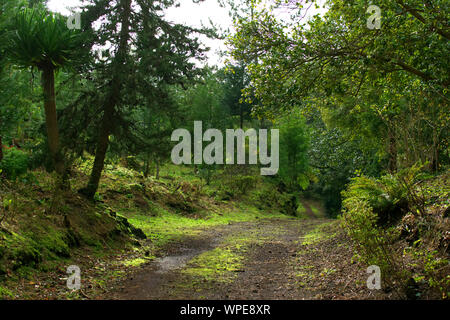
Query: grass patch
x=317 y=235
x=217 y=265
x=5 y=293
x=314 y=210
x=168 y=226
x=137 y=262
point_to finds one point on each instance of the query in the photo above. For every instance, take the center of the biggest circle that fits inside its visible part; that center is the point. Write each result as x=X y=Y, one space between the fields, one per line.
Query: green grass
x=301 y=209
x=315 y=210
x=317 y=235
x=5 y=293
x=169 y=226
x=137 y=261
x=218 y=265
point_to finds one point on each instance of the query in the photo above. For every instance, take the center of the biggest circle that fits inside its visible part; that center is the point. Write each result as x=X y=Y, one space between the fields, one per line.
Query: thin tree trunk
x=435 y=155
x=113 y=99
x=1 y=149
x=157 y=169
x=99 y=162
x=147 y=166
x=51 y=120
x=392 y=166
x=241 y=116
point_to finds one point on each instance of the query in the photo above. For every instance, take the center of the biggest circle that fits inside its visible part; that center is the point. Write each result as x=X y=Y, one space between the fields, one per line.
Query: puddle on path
x=170 y=263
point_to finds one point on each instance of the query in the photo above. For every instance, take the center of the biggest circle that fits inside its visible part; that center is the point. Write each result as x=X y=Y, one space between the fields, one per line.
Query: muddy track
x=266 y=271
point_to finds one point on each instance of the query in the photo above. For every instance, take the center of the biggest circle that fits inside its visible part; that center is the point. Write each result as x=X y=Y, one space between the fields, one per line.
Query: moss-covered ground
x=42 y=234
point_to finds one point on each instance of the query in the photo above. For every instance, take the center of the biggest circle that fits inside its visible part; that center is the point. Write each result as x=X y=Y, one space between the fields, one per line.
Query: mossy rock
x=125 y=226
x=72 y=239
x=25 y=255
x=20 y=251
x=51 y=239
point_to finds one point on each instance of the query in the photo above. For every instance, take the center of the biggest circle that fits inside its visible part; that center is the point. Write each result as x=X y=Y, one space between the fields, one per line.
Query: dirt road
x=287 y=259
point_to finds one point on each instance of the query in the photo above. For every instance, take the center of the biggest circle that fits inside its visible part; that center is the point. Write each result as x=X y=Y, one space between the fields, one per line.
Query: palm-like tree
x=42 y=40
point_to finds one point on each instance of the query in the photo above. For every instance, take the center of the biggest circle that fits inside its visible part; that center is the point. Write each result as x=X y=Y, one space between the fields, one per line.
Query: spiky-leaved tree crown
x=42 y=39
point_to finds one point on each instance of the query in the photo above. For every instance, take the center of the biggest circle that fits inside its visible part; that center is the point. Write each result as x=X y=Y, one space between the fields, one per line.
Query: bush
x=267 y=196
x=386 y=196
x=14 y=163
x=372 y=243
x=409 y=252
x=239 y=185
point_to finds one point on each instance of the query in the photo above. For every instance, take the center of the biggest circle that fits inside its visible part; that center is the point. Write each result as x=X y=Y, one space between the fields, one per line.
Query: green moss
x=137 y=261
x=169 y=226
x=222 y=263
x=317 y=235
x=218 y=265
x=5 y=293
x=19 y=251
x=49 y=238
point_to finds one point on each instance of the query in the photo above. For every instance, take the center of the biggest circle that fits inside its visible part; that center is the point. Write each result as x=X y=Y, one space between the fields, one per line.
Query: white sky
x=188 y=13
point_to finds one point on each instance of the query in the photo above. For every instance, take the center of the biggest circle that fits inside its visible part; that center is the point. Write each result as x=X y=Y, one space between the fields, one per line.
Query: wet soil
x=274 y=259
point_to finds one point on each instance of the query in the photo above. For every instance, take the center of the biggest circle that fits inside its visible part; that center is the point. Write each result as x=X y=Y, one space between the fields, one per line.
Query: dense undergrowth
x=42 y=230
x=401 y=224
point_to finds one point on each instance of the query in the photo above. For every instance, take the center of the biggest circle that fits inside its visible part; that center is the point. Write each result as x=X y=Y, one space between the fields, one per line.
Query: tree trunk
x=99 y=162
x=157 y=169
x=435 y=153
x=241 y=116
x=1 y=149
x=147 y=166
x=392 y=166
x=111 y=102
x=51 y=120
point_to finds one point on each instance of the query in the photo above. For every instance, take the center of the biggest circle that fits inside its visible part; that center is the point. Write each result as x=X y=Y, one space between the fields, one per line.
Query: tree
x=294 y=143
x=40 y=39
x=235 y=81
x=154 y=121
x=161 y=54
x=204 y=101
x=364 y=81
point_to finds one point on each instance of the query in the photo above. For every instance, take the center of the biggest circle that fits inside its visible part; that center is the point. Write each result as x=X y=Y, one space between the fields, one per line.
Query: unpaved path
x=265 y=274
x=273 y=262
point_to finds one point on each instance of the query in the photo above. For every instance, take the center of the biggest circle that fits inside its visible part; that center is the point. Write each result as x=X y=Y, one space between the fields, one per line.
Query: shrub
x=370 y=208
x=14 y=163
x=390 y=197
x=267 y=196
x=372 y=243
x=239 y=185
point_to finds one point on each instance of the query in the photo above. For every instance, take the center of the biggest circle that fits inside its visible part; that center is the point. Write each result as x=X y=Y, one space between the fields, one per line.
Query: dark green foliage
x=41 y=39
x=15 y=163
x=237 y=185
x=394 y=225
x=390 y=196
x=235 y=80
x=294 y=143
x=335 y=158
